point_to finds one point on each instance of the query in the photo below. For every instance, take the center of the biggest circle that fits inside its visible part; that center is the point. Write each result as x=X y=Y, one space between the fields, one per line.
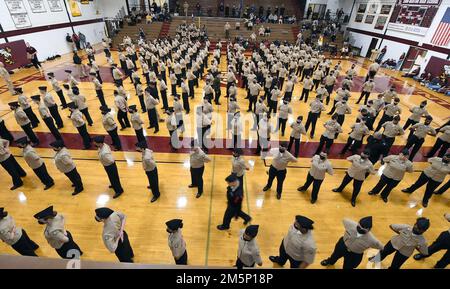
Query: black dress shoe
x=384 y=199
x=336 y=190
x=408 y=191
x=76 y=192
x=301 y=189
x=116 y=195
x=48 y=186
x=222 y=228
x=313 y=201
x=247 y=221
x=372 y=193
x=325 y=262
x=424 y=204
x=278 y=196
x=198 y=195
x=15 y=187
x=154 y=199
x=353 y=204
x=266 y=188
x=274 y=259
x=418 y=257
x=110 y=186
x=192 y=186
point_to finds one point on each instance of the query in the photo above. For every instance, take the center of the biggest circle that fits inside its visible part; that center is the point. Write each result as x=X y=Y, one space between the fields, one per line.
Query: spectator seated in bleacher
x=412 y=73
x=434 y=84
x=445 y=90
x=261 y=30
x=389 y=63
x=291 y=20
x=130 y=21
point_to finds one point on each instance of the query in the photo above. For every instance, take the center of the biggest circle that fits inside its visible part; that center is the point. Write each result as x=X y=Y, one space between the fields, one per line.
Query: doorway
x=411 y=57
x=373 y=45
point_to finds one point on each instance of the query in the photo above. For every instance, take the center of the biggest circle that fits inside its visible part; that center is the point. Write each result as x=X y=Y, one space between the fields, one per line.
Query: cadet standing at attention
x=197 y=160
x=24 y=122
x=359 y=170
x=393 y=173
x=332 y=130
x=238 y=166
x=298 y=246
x=357 y=239
x=110 y=126
x=77 y=120
x=80 y=101
x=417 y=135
x=49 y=101
x=57 y=88
x=248 y=250
x=149 y=165
x=176 y=242
x=137 y=123
x=65 y=164
x=316 y=107
x=26 y=107
x=355 y=138
x=56 y=235
x=9 y=163
x=98 y=89
x=403 y=244
x=107 y=160
x=114 y=236
x=235 y=195
x=47 y=117
x=35 y=162
x=296 y=133
x=281 y=158
x=441 y=243
x=319 y=166
x=14 y=236
x=433 y=176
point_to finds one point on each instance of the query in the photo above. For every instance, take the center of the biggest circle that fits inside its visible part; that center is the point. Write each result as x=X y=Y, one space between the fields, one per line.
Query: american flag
x=442 y=35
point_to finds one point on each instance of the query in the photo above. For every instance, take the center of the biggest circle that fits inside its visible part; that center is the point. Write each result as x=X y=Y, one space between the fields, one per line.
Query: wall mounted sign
x=37 y=6
x=21 y=20
x=369 y=19
x=359 y=17
x=373 y=9
x=15 y=6
x=362 y=8
x=381 y=21
x=74 y=8
x=385 y=9
x=55 y=5
x=408 y=28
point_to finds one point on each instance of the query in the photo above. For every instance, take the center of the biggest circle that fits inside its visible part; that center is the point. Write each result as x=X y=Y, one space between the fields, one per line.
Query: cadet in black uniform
x=234 y=208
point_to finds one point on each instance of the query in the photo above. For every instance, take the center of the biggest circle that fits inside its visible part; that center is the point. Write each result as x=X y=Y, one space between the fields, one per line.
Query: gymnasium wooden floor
x=206 y=245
